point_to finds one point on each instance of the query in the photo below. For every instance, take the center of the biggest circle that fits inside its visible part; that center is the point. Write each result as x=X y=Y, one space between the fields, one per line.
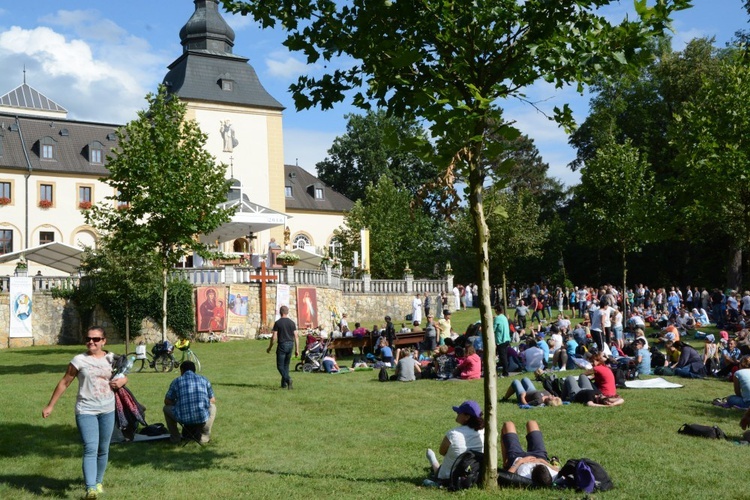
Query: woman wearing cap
x=467 y=436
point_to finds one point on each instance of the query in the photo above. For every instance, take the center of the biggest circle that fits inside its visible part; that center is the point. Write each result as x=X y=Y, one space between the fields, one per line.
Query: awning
x=248 y=217
x=56 y=255
x=307 y=259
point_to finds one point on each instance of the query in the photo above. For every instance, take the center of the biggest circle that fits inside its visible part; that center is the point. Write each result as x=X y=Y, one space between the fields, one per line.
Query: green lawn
x=347 y=435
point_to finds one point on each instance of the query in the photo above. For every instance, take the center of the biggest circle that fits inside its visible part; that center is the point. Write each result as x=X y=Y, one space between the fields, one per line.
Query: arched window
x=334 y=248
x=301 y=241
x=240 y=245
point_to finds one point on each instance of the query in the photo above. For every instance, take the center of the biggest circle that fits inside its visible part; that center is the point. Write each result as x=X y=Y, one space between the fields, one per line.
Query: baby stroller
x=312 y=356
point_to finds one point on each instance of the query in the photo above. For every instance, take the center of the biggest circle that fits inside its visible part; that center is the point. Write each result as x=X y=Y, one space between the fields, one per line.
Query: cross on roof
x=263 y=277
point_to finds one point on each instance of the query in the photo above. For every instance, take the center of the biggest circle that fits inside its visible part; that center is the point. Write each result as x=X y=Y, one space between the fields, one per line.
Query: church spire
x=207 y=30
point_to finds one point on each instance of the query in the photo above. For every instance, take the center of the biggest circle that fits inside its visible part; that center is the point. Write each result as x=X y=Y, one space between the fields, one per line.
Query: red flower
x=84 y=205
x=45 y=203
x=4 y=200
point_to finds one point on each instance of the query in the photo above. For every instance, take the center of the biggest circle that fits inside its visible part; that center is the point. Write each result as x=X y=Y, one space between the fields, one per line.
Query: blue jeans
x=686 y=373
x=522 y=386
x=283 y=357
x=96 y=431
x=735 y=400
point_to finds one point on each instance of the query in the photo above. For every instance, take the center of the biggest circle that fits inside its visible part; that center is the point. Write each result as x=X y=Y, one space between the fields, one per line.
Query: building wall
x=319 y=226
x=65 y=219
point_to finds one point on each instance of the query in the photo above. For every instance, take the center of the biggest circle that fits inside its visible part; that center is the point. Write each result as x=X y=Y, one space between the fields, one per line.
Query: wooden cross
x=263 y=278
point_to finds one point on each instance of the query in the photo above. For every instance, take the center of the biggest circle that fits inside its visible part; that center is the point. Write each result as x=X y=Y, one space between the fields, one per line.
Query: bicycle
x=160 y=358
x=187 y=354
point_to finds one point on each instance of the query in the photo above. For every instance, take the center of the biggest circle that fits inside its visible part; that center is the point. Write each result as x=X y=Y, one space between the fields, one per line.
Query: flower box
x=84 y=205
x=45 y=204
x=4 y=200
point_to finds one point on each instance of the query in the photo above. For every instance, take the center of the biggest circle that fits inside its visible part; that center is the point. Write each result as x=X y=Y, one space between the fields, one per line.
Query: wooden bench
x=408 y=339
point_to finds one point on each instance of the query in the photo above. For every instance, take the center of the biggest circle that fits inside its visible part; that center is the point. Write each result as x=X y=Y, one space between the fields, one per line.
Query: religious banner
x=282 y=298
x=211 y=308
x=20 y=306
x=307 y=308
x=237 y=311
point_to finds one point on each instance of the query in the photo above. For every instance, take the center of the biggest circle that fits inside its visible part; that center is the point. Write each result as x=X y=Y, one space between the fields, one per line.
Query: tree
x=711 y=135
x=374 y=145
x=448 y=62
x=167 y=188
x=400 y=234
x=618 y=201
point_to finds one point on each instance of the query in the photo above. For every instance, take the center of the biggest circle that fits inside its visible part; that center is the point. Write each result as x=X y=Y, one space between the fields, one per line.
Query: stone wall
x=56 y=321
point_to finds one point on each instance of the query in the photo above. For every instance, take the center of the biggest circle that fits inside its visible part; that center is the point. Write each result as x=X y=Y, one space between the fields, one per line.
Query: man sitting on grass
x=190 y=401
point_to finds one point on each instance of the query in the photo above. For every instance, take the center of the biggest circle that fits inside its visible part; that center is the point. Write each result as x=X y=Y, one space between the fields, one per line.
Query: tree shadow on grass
x=40 y=352
x=33 y=369
x=163 y=455
x=38 y=485
x=317 y=476
x=50 y=441
x=265 y=387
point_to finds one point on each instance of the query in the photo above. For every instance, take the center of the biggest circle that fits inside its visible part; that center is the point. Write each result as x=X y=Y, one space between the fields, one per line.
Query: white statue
x=227 y=133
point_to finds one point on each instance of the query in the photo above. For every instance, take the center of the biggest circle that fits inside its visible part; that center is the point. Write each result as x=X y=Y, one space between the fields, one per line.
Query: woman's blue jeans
x=522 y=386
x=96 y=432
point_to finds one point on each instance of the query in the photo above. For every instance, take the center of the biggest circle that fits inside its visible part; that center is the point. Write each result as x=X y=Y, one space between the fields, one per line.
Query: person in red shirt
x=605 y=393
x=471 y=366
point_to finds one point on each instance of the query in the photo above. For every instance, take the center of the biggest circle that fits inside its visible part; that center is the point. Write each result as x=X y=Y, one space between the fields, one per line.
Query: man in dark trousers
x=190 y=401
x=285 y=334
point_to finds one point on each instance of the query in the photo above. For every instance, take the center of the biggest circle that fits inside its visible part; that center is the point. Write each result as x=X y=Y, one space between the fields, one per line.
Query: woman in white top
x=468 y=435
x=95 y=406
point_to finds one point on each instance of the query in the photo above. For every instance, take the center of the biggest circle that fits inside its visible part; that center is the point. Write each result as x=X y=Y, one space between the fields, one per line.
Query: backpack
x=585 y=475
x=657 y=358
x=466 y=471
x=383 y=374
x=553 y=385
x=702 y=431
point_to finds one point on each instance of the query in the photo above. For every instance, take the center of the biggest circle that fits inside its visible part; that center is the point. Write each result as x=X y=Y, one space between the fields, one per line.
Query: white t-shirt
x=525 y=469
x=462 y=439
x=95 y=396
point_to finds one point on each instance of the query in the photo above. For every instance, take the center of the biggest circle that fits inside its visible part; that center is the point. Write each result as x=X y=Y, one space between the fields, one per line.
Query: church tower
x=223 y=94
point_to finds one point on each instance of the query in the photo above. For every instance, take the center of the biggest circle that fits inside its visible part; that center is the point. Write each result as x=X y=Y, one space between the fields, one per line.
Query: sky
x=99 y=59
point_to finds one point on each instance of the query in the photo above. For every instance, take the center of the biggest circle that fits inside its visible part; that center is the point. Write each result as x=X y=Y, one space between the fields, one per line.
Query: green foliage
x=399 y=232
x=180 y=309
x=171 y=184
x=375 y=145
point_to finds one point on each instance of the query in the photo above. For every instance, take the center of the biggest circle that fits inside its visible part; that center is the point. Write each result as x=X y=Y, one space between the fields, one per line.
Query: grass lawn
x=347 y=435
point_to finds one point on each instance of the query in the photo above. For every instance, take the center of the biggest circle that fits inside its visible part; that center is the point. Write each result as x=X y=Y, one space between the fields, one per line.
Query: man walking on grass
x=502 y=338
x=285 y=333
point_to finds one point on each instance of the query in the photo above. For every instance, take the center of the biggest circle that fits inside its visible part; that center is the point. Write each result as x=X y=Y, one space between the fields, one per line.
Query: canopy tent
x=56 y=255
x=248 y=218
x=307 y=259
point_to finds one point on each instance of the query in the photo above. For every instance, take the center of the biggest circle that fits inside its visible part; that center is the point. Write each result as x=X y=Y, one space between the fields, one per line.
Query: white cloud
x=283 y=65
x=238 y=22
x=104 y=84
x=86 y=24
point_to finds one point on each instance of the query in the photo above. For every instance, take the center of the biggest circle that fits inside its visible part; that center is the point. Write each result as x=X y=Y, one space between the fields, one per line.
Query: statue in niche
x=227 y=133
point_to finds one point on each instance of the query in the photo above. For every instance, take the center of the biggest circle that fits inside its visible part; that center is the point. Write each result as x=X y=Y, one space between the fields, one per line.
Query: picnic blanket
x=652 y=383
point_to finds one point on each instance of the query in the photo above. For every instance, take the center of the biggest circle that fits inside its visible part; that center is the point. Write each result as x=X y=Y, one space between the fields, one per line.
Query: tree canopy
x=167 y=188
x=450 y=62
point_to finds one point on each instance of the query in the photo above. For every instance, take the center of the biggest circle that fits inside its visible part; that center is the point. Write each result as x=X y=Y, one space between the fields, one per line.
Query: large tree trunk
x=164 y=303
x=734 y=267
x=489 y=364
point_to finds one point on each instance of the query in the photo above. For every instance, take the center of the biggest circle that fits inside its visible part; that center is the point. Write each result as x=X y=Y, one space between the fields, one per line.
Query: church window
x=6 y=241
x=301 y=241
x=288 y=191
x=46 y=237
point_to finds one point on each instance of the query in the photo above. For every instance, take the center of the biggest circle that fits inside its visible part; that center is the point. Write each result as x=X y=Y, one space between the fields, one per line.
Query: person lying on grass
x=467 y=436
x=582 y=391
x=528 y=394
x=532 y=463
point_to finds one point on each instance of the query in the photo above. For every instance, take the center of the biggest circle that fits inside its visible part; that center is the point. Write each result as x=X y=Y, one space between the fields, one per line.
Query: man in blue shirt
x=190 y=401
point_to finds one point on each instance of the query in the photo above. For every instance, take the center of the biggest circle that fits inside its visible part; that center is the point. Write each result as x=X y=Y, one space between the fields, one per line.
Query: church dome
x=206 y=29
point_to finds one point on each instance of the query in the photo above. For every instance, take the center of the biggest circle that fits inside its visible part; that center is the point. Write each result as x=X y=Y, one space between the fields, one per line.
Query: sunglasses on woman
x=94 y=339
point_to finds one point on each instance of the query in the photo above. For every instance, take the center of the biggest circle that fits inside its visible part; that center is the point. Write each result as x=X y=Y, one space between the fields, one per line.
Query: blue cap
x=469 y=408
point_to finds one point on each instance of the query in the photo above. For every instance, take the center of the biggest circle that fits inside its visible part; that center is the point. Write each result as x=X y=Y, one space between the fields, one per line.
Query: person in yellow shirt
x=444 y=327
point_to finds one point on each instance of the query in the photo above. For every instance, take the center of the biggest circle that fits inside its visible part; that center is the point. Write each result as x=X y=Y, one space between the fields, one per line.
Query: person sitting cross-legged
x=190 y=401
x=533 y=463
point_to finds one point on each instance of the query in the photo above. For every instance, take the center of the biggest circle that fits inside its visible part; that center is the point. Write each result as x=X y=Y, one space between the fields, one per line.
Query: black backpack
x=657 y=358
x=577 y=473
x=705 y=431
x=383 y=375
x=553 y=385
x=466 y=471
